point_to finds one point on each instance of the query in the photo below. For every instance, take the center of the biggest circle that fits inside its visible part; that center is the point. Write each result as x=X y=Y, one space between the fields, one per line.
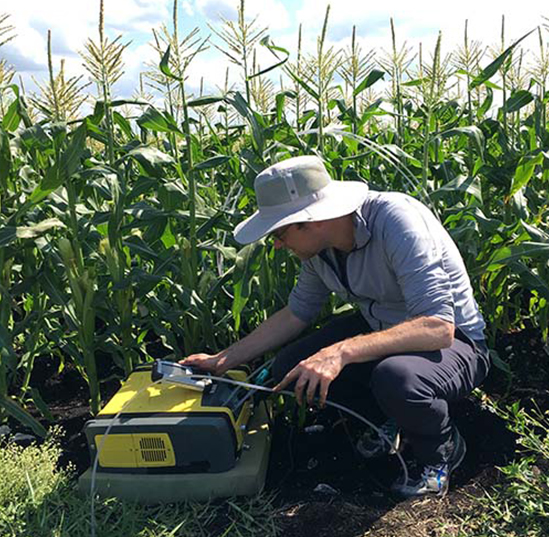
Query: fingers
x=324 y=385
x=286 y=380
x=299 y=387
x=304 y=382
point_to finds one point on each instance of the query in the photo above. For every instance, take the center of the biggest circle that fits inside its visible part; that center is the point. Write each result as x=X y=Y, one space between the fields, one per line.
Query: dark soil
x=322 y=486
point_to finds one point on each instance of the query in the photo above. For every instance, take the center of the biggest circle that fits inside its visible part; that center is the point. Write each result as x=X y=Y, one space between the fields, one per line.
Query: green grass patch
x=39 y=499
x=519 y=506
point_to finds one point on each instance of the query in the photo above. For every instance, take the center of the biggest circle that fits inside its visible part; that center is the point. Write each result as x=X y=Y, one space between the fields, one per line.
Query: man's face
x=305 y=240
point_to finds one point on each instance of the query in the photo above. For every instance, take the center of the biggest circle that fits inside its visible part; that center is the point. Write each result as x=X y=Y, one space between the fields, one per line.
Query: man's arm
x=419 y=334
x=320 y=369
x=271 y=333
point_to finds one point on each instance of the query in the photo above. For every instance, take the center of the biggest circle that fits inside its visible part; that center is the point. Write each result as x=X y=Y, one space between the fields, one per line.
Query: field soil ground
x=322 y=486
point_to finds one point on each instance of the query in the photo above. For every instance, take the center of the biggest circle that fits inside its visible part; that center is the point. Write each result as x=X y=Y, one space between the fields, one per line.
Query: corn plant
x=128 y=213
x=240 y=39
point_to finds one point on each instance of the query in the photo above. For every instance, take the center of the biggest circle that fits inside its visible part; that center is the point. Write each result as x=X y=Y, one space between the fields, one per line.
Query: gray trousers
x=412 y=388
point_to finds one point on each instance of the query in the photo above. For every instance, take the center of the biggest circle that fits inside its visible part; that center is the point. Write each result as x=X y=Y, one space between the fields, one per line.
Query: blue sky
x=73 y=21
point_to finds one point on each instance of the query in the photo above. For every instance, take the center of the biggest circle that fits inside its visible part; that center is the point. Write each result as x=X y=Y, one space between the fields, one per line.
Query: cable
x=248 y=385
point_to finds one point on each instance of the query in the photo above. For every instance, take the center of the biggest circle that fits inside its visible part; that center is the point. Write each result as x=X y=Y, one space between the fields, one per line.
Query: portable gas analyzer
x=173 y=437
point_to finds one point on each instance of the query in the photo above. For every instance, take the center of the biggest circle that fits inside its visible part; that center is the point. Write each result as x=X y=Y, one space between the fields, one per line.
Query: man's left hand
x=317 y=371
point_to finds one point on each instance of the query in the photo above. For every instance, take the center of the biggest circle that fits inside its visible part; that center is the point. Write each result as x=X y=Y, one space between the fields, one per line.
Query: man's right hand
x=214 y=363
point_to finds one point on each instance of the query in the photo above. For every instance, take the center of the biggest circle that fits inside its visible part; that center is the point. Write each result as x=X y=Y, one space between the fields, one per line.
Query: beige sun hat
x=298 y=190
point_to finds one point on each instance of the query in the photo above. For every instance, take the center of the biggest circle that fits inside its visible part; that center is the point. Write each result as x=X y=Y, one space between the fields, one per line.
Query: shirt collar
x=362 y=233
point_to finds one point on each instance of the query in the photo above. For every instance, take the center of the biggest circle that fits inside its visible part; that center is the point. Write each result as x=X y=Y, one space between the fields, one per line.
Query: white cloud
x=270 y=13
x=71 y=23
x=74 y=21
x=422 y=19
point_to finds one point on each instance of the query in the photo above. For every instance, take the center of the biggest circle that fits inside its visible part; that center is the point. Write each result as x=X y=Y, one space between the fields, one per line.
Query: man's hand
x=317 y=371
x=215 y=363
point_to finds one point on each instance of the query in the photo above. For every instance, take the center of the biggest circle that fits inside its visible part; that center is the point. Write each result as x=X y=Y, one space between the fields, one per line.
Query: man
x=418 y=340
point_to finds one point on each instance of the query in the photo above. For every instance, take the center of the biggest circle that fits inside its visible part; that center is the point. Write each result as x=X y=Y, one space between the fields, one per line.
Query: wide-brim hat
x=298 y=190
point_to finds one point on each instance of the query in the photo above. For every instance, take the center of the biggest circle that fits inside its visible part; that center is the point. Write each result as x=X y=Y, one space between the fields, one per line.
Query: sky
x=72 y=22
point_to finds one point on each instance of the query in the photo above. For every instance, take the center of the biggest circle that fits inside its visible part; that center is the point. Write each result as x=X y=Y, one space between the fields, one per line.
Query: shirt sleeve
x=309 y=294
x=415 y=253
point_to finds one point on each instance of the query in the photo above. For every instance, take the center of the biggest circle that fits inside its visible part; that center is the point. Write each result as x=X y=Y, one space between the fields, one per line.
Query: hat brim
x=339 y=198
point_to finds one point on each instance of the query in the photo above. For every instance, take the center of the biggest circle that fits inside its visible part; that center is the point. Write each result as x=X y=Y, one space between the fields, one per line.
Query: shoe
x=435 y=479
x=372 y=445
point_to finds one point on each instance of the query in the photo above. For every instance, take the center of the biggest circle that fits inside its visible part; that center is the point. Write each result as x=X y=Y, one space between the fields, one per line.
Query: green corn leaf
x=212 y=162
x=265 y=42
x=41 y=405
x=372 y=110
x=157 y=121
x=472 y=132
x=7 y=354
x=462 y=183
x=535 y=233
x=122 y=102
x=165 y=66
x=493 y=68
x=98 y=113
x=281 y=101
x=517 y=100
x=304 y=85
x=531 y=279
x=35 y=137
x=373 y=76
x=12 y=118
x=416 y=82
x=246 y=265
x=70 y=159
x=9 y=234
x=22 y=416
x=151 y=159
x=509 y=254
x=486 y=104
x=124 y=125
x=203 y=101
x=242 y=107
x=5 y=159
x=524 y=172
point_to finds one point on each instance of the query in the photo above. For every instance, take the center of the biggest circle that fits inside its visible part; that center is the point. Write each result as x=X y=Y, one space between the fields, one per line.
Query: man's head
x=294 y=198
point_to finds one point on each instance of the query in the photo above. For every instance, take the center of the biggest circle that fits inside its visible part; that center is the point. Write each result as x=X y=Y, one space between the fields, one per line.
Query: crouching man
x=417 y=342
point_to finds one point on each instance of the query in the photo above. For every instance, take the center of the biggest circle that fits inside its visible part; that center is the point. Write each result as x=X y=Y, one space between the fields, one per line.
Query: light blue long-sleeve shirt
x=404 y=265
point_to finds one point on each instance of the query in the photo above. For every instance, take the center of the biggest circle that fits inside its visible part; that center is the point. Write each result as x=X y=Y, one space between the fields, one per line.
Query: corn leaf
x=517 y=100
x=212 y=162
x=246 y=265
x=12 y=118
x=508 y=254
x=524 y=171
x=202 y=101
x=373 y=76
x=472 y=132
x=5 y=159
x=151 y=159
x=165 y=66
x=157 y=121
x=265 y=42
x=493 y=68
x=22 y=416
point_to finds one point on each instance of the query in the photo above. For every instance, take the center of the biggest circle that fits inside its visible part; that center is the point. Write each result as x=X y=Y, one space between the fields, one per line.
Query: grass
x=39 y=499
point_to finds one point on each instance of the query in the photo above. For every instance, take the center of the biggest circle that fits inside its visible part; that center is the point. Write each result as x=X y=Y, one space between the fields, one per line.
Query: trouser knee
x=397 y=388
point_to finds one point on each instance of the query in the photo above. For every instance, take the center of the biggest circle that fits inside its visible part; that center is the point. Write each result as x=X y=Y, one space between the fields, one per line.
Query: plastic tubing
x=255 y=387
